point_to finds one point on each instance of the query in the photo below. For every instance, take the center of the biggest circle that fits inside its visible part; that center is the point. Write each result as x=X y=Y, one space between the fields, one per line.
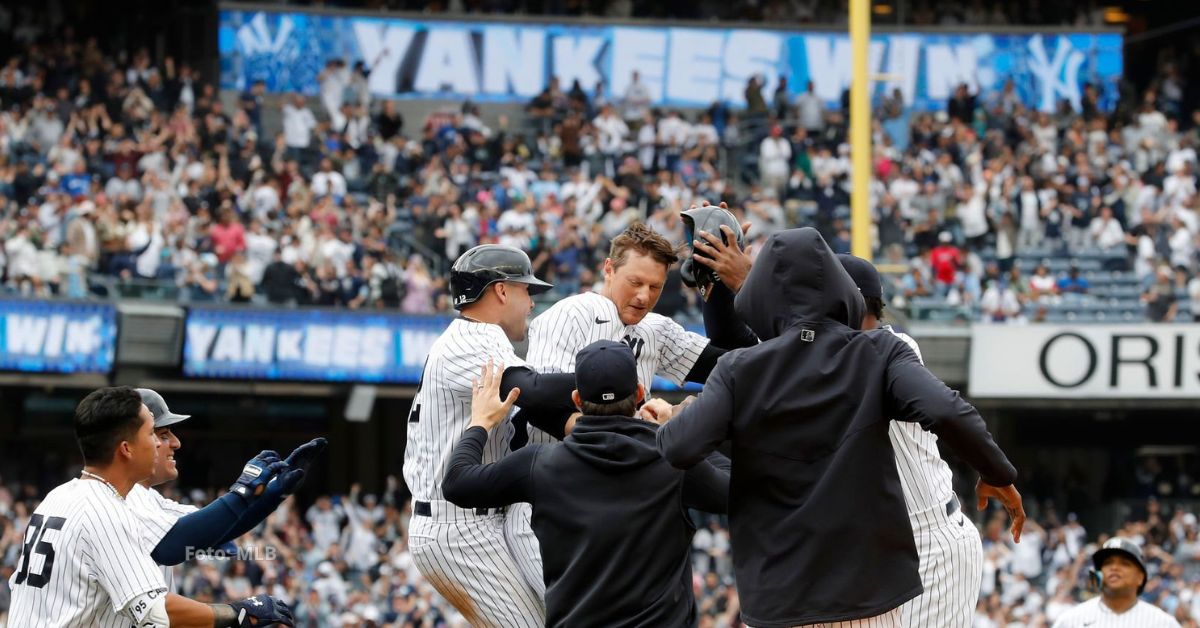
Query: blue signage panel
x=314 y=345
x=689 y=67
x=57 y=336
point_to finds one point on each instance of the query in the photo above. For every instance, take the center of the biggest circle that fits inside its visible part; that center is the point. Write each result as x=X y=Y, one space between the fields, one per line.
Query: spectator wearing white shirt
x=329 y=182
x=1106 y=230
x=774 y=161
x=613 y=133
x=325 y=519
x=810 y=110
x=298 y=125
x=1000 y=303
x=333 y=81
x=1182 y=243
x=637 y=98
x=260 y=248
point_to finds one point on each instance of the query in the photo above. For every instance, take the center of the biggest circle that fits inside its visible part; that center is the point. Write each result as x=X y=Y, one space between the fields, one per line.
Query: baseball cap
x=158 y=407
x=864 y=274
x=605 y=371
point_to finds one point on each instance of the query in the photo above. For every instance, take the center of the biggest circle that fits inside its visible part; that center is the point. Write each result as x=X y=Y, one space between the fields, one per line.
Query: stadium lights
x=882 y=9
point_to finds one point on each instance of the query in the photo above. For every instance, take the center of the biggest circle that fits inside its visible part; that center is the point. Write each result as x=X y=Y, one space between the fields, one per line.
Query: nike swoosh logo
x=600 y=321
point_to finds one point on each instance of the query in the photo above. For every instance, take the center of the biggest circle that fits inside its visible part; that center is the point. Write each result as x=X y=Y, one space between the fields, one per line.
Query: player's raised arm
x=701 y=426
x=915 y=394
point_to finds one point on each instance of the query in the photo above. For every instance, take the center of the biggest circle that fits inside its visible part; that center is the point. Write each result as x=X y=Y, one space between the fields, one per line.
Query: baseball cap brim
x=170 y=418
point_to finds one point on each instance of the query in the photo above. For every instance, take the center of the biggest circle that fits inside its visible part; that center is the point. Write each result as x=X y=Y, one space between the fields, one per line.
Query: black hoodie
x=819 y=530
x=609 y=514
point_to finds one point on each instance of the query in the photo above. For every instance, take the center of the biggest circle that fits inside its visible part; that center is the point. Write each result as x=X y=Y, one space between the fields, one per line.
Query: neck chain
x=109 y=484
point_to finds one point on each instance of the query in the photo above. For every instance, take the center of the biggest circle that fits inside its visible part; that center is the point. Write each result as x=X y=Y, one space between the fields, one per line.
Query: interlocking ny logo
x=255 y=36
x=1056 y=78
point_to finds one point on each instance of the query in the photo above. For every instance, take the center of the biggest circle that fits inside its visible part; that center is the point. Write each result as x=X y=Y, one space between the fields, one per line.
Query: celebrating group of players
x=816 y=432
x=817 y=437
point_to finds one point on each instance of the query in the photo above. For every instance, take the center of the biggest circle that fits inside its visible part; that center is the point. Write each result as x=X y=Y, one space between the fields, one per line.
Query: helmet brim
x=536 y=286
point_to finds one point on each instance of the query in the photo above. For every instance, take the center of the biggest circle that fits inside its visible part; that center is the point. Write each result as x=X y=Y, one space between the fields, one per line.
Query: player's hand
x=262 y=610
x=487 y=409
x=730 y=263
x=291 y=477
x=260 y=470
x=656 y=411
x=303 y=456
x=1009 y=498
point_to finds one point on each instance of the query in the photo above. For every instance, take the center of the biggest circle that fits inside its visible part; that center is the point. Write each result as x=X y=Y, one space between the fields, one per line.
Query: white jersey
x=159 y=515
x=662 y=346
x=1095 y=614
x=926 y=478
x=83 y=561
x=442 y=408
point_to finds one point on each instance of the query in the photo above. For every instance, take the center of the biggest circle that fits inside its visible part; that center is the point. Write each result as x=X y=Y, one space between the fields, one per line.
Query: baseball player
x=634 y=274
x=463 y=553
x=951 y=553
x=83 y=562
x=816 y=510
x=1120 y=574
x=173 y=529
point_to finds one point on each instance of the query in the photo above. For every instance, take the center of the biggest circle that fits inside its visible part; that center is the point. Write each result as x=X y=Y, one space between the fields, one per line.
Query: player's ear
x=608 y=266
x=641 y=393
x=576 y=399
x=501 y=291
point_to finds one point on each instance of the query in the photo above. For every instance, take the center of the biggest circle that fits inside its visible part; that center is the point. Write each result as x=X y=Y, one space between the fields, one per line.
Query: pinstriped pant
x=951 y=570
x=518 y=531
x=890 y=619
x=469 y=563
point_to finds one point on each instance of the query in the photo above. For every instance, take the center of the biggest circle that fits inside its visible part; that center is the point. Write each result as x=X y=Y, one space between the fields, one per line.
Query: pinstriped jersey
x=662 y=346
x=1095 y=614
x=926 y=478
x=159 y=515
x=442 y=408
x=83 y=560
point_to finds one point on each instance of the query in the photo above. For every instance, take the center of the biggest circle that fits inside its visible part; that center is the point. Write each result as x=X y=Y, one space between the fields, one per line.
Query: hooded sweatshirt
x=819 y=530
x=609 y=515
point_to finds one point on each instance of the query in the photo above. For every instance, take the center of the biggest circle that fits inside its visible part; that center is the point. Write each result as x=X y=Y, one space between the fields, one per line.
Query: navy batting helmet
x=486 y=264
x=708 y=218
x=1126 y=548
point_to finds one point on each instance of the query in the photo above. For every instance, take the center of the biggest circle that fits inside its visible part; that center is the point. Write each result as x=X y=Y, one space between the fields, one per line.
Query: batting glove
x=262 y=610
x=255 y=475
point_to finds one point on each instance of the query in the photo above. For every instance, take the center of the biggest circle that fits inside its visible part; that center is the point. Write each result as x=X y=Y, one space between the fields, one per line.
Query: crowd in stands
x=1085 y=13
x=130 y=177
x=343 y=561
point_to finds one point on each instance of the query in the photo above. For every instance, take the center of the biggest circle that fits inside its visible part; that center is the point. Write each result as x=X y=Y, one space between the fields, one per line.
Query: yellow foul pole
x=860 y=129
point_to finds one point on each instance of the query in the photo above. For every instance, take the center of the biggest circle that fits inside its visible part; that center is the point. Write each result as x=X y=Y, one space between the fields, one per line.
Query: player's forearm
x=540 y=392
x=199 y=530
x=917 y=395
x=186 y=613
x=705 y=364
x=721 y=323
x=469 y=483
x=700 y=428
x=254 y=515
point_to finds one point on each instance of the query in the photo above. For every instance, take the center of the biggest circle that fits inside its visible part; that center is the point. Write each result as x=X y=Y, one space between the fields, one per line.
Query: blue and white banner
x=690 y=67
x=57 y=336
x=316 y=345
x=312 y=345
